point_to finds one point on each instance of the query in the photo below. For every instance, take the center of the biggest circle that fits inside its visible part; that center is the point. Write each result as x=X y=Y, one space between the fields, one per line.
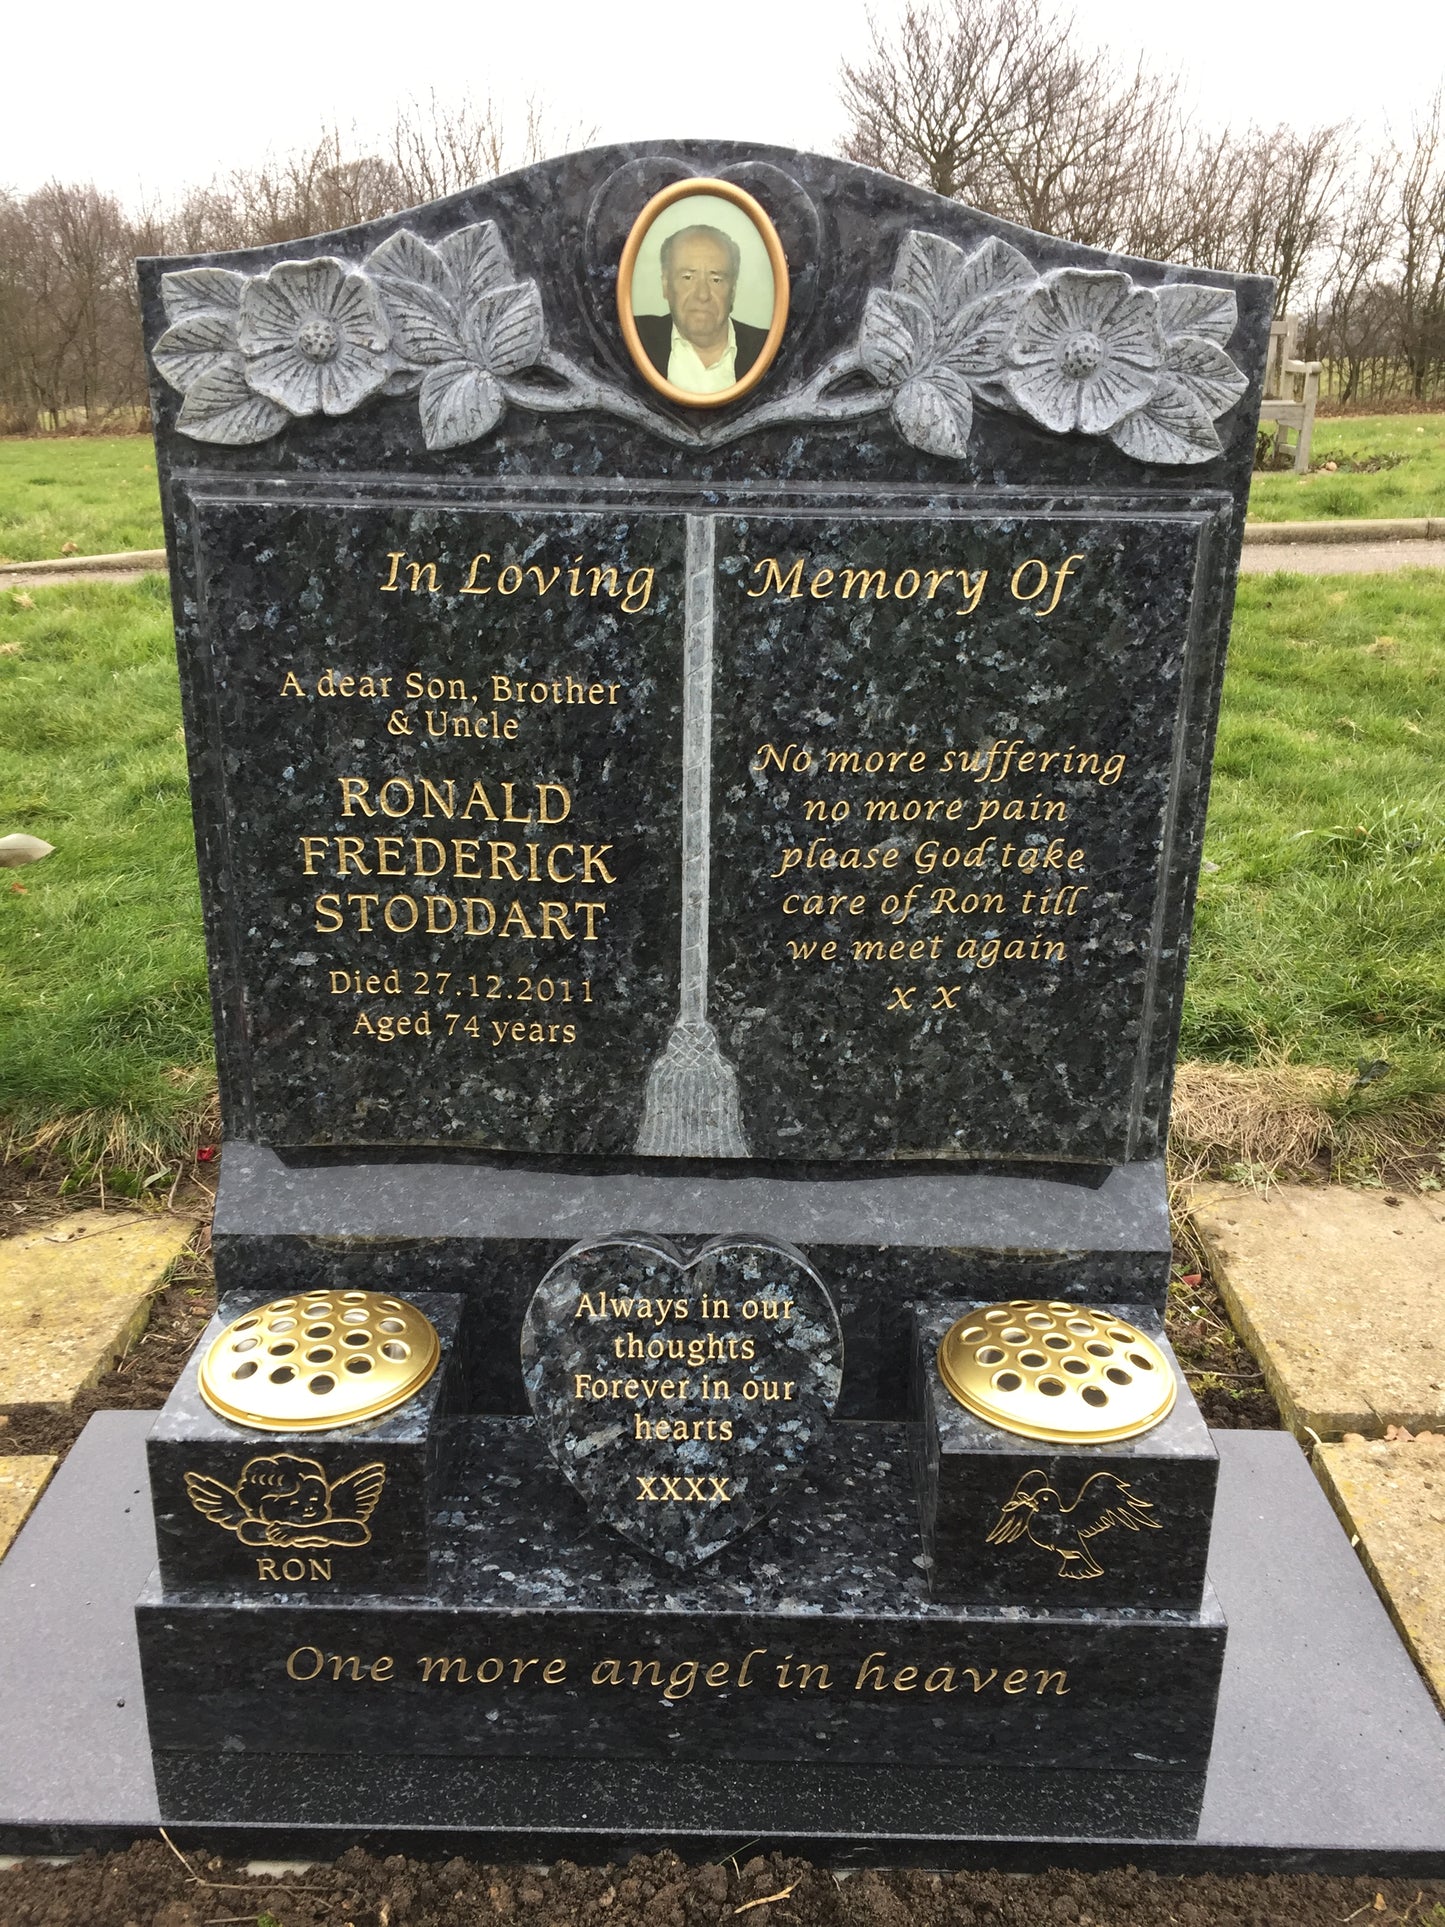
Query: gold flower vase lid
x=1045 y=1369
x=319 y=1360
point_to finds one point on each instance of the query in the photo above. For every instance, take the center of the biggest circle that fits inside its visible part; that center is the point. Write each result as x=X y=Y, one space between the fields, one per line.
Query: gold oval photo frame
x=777 y=261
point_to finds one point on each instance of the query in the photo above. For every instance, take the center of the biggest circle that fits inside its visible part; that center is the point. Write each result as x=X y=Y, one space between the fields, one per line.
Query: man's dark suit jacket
x=656 y=333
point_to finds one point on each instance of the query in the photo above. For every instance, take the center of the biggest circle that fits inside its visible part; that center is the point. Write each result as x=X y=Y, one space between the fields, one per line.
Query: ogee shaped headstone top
x=681 y=1395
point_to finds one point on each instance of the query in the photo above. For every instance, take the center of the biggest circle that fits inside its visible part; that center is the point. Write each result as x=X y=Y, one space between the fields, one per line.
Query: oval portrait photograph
x=702 y=292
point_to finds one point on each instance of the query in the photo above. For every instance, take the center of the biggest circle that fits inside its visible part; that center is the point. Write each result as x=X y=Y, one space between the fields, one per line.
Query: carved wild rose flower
x=1086 y=350
x=313 y=337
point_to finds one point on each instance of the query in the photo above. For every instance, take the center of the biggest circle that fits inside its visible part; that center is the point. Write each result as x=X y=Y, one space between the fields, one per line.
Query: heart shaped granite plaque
x=680 y=1395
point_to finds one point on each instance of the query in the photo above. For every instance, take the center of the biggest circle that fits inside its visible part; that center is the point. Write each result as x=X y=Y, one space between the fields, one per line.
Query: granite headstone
x=707 y=811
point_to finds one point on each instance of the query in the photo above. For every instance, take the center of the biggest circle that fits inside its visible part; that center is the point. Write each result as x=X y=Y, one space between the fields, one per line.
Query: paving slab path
x=1339 y=558
x=22 y=1480
x=1390 y=1494
x=74 y=1295
x=1337 y=1292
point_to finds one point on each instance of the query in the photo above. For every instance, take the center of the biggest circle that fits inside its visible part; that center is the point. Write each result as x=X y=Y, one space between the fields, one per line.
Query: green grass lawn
x=98 y=492
x=104 y=1020
x=1409 y=479
x=1320 y=936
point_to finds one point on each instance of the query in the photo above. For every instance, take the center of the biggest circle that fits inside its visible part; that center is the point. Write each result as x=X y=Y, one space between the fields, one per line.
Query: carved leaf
x=1173 y=426
x=406 y=257
x=975 y=338
x=935 y=412
x=459 y=403
x=896 y=337
x=222 y=407
x=1190 y=309
x=1206 y=370
x=478 y=259
x=189 y=290
x=424 y=322
x=198 y=342
x=507 y=328
x=929 y=269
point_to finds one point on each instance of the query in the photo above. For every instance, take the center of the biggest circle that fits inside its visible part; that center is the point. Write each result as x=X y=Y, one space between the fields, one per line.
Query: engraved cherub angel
x=285 y=1500
x=1035 y=1511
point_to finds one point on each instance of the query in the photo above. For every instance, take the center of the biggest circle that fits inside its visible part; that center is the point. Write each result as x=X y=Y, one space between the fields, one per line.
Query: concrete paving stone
x=1391 y=1494
x=74 y=1295
x=1337 y=1294
x=1345 y=558
x=22 y=1480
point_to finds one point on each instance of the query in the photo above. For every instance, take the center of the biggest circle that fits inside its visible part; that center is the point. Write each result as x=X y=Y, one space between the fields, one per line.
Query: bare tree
x=1421 y=217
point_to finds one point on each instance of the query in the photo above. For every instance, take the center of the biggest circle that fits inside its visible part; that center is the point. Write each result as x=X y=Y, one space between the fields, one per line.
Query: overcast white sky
x=149 y=101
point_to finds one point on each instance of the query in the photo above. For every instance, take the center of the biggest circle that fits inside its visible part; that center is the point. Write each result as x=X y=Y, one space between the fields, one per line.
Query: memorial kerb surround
x=672 y=847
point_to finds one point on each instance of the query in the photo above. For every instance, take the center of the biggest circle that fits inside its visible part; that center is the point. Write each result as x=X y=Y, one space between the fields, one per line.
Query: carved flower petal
x=1116 y=389
x=1087 y=298
x=222 y=407
x=424 y=323
x=478 y=259
x=935 y=412
x=1040 y=331
x=190 y=290
x=459 y=403
x=1173 y=428
x=309 y=286
x=270 y=316
x=355 y=373
x=896 y=337
x=194 y=345
x=1189 y=308
x=1132 y=330
x=1204 y=368
x=356 y=310
x=289 y=378
x=507 y=328
x=1044 y=391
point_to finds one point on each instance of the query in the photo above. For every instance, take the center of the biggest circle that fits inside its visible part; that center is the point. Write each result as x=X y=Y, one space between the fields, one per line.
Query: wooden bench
x=1291 y=390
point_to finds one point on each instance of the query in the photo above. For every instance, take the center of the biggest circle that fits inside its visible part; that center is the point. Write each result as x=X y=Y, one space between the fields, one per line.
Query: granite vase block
x=1125 y=1523
x=812 y=1639
x=269 y=1514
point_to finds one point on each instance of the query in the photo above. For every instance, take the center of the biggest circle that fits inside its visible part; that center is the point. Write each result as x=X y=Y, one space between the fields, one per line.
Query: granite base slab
x=1328 y=1753
x=491 y=1229
x=811 y=1638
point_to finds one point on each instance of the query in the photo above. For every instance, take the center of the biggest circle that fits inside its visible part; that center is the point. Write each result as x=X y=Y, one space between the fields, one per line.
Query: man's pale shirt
x=687 y=370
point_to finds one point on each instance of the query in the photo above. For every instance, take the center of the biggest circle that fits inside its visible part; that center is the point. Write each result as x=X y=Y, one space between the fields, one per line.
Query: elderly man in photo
x=697 y=345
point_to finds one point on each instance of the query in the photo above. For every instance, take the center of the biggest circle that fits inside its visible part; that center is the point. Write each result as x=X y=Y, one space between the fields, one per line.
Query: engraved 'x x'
x=672 y=1488
x=903 y=995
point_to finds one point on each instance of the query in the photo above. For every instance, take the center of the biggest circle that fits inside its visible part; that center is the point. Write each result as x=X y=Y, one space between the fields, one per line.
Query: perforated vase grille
x=327 y=1358
x=1050 y=1370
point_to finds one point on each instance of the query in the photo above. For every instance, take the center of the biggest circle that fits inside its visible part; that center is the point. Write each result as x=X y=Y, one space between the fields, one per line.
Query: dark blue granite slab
x=967 y=1471
x=294 y=536
x=547 y=1636
x=882 y=1239
x=189 y=1442
x=1328 y=1753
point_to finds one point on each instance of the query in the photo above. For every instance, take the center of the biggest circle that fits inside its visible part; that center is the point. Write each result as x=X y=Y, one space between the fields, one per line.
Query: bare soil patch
x=150 y=1886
